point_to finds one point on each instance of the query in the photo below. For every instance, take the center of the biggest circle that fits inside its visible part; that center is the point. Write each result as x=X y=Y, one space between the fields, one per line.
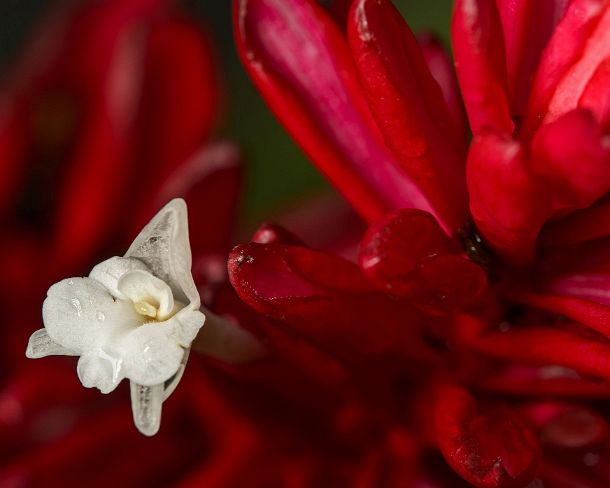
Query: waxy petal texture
x=480 y=61
x=563 y=51
x=407 y=255
x=527 y=26
x=325 y=298
x=571 y=156
x=508 y=205
x=442 y=70
x=488 y=448
x=409 y=107
x=301 y=63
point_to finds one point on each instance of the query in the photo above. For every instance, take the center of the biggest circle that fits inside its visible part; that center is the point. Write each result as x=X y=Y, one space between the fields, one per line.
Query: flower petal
x=41 y=345
x=146 y=403
x=488 y=448
x=163 y=245
x=100 y=371
x=574 y=82
x=325 y=298
x=409 y=107
x=508 y=205
x=138 y=285
x=442 y=69
x=110 y=271
x=596 y=97
x=393 y=249
x=563 y=51
x=150 y=355
x=301 y=63
x=592 y=314
x=480 y=62
x=543 y=346
x=571 y=156
x=79 y=313
x=527 y=26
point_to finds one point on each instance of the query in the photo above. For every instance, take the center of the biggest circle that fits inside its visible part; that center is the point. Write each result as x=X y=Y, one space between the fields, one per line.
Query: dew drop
x=70 y=282
x=100 y=316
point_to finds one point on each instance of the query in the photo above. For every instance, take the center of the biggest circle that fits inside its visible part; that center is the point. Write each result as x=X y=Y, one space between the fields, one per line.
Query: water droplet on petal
x=70 y=282
x=100 y=316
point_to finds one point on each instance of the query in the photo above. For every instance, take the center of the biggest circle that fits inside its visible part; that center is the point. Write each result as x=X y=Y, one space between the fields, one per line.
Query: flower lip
x=134 y=317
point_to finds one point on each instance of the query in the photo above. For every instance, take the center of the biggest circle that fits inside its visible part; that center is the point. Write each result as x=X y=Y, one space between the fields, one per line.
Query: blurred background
x=107 y=110
x=277 y=172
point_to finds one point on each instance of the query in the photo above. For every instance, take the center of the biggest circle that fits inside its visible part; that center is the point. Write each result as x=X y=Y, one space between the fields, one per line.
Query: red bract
x=514 y=309
x=542 y=129
x=313 y=80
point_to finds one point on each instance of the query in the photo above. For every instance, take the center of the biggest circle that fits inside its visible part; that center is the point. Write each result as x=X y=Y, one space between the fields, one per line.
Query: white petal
x=171 y=384
x=163 y=245
x=186 y=325
x=41 y=345
x=146 y=404
x=79 y=312
x=150 y=354
x=108 y=272
x=142 y=286
x=102 y=371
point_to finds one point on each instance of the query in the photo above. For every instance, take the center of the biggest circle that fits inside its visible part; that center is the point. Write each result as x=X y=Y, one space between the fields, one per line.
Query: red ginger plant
x=378 y=111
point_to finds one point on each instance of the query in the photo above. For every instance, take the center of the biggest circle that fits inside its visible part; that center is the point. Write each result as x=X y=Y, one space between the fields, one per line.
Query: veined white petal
x=186 y=325
x=108 y=272
x=151 y=355
x=79 y=313
x=163 y=245
x=141 y=286
x=146 y=404
x=41 y=345
x=100 y=370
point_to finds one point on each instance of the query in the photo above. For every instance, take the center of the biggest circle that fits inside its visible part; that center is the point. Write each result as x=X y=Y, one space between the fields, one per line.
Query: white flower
x=134 y=317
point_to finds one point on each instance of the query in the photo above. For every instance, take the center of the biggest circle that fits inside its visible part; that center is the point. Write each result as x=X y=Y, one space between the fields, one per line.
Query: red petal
x=546 y=346
x=527 y=26
x=578 y=227
x=570 y=155
x=441 y=67
x=594 y=315
x=560 y=57
x=300 y=61
x=393 y=249
x=571 y=87
x=480 y=62
x=449 y=283
x=269 y=233
x=324 y=298
x=409 y=107
x=490 y=448
x=408 y=255
x=596 y=97
x=507 y=204
x=543 y=381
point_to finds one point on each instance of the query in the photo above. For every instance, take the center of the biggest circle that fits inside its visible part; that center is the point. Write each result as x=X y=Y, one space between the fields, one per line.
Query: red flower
x=380 y=114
